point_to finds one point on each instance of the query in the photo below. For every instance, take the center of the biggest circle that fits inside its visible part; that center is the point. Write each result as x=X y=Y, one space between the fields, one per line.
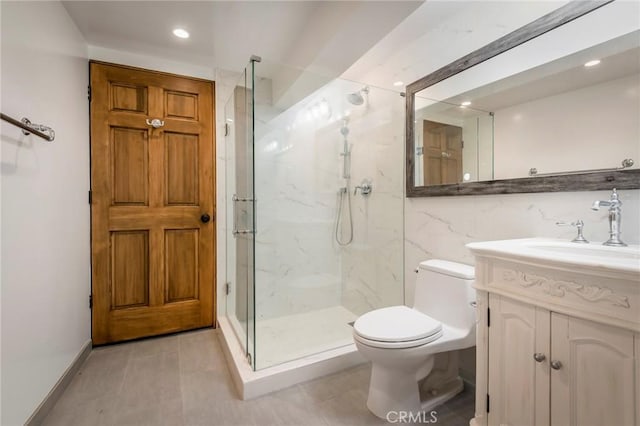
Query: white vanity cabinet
x=550 y=368
x=558 y=337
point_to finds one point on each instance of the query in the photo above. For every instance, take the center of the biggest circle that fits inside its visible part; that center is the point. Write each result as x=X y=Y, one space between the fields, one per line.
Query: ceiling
x=439 y=32
x=373 y=42
x=325 y=36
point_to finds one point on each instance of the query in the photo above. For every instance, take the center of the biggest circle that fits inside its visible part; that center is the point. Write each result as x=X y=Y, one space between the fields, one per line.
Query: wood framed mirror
x=438 y=142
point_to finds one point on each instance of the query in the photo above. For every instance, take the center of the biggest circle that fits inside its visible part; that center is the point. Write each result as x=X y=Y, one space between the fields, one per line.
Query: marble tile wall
x=299 y=265
x=439 y=227
x=370 y=273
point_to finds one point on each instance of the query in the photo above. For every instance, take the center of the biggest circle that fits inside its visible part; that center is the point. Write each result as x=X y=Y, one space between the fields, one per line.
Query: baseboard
x=58 y=389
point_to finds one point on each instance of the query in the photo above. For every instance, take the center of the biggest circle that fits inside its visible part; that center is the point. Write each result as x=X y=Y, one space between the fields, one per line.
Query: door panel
x=181 y=173
x=181 y=105
x=152 y=256
x=129 y=269
x=128 y=97
x=181 y=262
x=129 y=166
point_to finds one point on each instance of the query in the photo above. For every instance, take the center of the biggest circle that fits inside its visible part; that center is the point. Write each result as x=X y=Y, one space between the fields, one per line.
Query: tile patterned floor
x=183 y=380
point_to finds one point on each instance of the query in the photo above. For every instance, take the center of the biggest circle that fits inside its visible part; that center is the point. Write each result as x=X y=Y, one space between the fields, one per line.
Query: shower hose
x=342 y=193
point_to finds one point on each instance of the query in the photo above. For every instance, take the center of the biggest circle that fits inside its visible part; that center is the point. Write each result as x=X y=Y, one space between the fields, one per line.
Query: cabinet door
x=518 y=384
x=594 y=384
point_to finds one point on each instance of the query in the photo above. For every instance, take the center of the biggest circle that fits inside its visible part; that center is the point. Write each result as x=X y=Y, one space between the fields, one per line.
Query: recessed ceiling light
x=398 y=83
x=592 y=63
x=179 y=32
x=466 y=103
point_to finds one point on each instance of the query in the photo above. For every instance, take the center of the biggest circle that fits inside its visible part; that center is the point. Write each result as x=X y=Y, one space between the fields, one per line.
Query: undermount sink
x=623 y=259
x=596 y=250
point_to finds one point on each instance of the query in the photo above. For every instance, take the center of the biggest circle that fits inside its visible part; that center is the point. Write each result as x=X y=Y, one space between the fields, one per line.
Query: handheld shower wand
x=346 y=190
x=346 y=151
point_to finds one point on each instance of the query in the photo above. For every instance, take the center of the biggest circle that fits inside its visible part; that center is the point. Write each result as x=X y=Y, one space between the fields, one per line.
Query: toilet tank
x=444 y=292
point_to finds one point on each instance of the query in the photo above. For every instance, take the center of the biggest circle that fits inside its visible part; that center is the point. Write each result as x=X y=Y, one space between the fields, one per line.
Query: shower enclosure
x=314 y=204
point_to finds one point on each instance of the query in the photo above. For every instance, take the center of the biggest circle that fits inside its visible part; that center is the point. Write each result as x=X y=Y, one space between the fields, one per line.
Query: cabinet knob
x=205 y=218
x=539 y=357
x=556 y=365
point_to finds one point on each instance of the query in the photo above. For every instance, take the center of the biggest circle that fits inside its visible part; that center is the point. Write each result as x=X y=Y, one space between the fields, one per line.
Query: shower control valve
x=365 y=188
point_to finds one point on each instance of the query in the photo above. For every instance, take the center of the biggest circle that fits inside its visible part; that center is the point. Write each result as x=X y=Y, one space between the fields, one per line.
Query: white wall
x=149 y=62
x=45 y=214
x=600 y=130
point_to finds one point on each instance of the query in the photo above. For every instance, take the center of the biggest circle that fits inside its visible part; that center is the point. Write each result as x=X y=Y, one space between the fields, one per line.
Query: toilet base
x=393 y=390
x=430 y=400
x=396 y=390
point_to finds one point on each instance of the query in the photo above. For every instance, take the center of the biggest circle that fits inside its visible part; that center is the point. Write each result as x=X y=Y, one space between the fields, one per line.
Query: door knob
x=205 y=218
x=539 y=357
x=556 y=365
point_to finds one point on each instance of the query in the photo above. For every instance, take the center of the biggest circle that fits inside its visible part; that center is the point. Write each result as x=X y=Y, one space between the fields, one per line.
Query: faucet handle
x=365 y=187
x=578 y=224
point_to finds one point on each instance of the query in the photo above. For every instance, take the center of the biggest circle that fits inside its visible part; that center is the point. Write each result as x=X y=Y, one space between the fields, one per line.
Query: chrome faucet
x=615 y=217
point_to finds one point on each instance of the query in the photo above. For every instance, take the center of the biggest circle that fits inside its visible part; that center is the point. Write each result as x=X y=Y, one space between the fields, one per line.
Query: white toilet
x=412 y=368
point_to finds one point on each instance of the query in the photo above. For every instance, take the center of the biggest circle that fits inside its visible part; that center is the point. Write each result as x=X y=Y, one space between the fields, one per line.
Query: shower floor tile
x=291 y=337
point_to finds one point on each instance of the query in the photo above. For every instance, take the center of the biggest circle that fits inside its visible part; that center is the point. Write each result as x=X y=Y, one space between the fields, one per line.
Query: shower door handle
x=235 y=231
x=234 y=228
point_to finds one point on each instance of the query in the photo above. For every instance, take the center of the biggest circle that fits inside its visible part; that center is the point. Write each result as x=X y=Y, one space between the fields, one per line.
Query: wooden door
x=518 y=384
x=442 y=153
x=594 y=384
x=152 y=190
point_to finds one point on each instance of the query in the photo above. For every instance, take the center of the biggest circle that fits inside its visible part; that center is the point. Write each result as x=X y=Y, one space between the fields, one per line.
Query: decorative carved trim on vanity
x=557 y=288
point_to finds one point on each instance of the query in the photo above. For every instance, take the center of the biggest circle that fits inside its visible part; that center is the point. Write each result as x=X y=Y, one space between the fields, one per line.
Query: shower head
x=356 y=98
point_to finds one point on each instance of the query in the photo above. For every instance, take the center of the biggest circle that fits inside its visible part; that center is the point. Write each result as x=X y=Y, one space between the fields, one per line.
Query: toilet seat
x=396 y=327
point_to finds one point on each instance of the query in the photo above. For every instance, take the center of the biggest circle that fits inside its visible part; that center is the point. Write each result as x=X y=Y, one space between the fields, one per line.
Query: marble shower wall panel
x=371 y=267
x=296 y=186
x=298 y=174
x=439 y=227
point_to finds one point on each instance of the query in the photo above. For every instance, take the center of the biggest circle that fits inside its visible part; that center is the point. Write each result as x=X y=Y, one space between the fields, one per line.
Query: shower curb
x=252 y=384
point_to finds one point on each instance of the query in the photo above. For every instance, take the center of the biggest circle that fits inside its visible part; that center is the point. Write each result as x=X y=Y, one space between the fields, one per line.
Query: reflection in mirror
x=577 y=113
x=454 y=142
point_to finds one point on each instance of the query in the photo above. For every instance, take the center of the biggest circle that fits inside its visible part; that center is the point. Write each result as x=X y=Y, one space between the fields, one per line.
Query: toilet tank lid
x=453 y=269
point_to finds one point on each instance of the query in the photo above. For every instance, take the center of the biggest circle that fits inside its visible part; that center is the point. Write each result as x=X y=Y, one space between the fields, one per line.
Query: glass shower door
x=240 y=211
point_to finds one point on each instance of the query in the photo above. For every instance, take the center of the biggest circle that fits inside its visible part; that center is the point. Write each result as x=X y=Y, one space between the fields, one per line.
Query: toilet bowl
x=403 y=343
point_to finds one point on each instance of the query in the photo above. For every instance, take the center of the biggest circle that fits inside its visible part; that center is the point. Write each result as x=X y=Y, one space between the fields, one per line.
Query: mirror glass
x=577 y=113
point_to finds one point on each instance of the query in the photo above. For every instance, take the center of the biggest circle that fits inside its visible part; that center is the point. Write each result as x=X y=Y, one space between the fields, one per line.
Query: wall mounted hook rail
x=45 y=132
